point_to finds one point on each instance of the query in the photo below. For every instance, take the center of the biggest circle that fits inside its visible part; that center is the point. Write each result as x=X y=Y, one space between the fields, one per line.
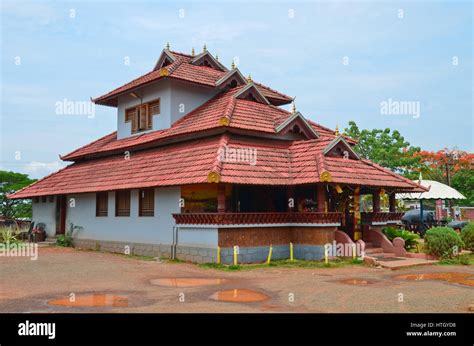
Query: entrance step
x=373 y=250
x=390 y=261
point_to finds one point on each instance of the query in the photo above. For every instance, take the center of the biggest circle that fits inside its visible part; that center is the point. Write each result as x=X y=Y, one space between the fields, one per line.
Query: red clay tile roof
x=241 y=114
x=277 y=163
x=182 y=69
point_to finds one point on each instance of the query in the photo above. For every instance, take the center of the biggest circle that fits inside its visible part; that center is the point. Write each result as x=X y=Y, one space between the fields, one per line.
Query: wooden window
x=101 y=203
x=154 y=109
x=122 y=203
x=43 y=199
x=146 y=202
x=142 y=117
x=51 y=199
x=36 y=200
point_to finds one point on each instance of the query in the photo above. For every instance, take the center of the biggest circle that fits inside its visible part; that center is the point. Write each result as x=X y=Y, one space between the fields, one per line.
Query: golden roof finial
x=217 y=57
x=337 y=130
x=249 y=78
x=167 y=46
x=233 y=65
x=293 y=107
x=192 y=52
x=204 y=49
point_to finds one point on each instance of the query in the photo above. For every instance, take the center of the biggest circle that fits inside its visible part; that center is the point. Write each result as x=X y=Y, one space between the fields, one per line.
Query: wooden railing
x=380 y=217
x=256 y=218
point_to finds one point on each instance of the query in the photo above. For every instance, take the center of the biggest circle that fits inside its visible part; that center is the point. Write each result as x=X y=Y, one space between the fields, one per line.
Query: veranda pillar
x=221 y=198
x=392 y=203
x=357 y=221
x=321 y=198
x=376 y=201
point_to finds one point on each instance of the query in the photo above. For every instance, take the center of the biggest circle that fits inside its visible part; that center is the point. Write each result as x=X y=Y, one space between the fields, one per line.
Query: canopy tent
x=437 y=190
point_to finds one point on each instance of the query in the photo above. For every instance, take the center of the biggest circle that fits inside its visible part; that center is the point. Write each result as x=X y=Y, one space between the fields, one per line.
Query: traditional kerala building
x=205 y=158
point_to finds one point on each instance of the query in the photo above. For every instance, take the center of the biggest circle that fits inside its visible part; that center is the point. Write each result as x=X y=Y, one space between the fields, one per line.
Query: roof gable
x=251 y=92
x=297 y=123
x=166 y=58
x=339 y=147
x=231 y=79
x=206 y=59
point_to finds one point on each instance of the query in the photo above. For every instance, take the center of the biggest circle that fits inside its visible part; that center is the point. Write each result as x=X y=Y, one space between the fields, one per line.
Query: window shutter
x=143 y=117
x=147 y=202
x=135 y=120
x=102 y=203
x=122 y=203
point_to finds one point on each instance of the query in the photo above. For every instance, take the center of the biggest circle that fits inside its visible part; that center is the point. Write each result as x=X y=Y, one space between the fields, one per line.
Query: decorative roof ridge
x=229 y=111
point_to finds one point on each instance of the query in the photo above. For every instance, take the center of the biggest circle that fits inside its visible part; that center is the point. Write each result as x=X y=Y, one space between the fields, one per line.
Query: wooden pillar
x=357 y=221
x=321 y=198
x=221 y=198
x=376 y=201
x=392 y=202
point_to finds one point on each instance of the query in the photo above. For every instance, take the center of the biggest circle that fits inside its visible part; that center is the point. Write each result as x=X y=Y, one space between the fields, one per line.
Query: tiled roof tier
x=241 y=114
x=182 y=69
x=277 y=163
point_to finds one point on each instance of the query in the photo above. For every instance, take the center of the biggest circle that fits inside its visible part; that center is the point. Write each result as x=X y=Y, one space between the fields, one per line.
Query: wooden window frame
x=122 y=212
x=139 y=121
x=142 y=195
x=101 y=212
x=44 y=199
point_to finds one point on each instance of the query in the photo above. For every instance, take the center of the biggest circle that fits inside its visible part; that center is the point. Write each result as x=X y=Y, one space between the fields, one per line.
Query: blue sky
x=340 y=60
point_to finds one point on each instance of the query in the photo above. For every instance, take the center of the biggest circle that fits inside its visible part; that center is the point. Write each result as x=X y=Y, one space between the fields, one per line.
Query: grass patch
x=466 y=259
x=286 y=263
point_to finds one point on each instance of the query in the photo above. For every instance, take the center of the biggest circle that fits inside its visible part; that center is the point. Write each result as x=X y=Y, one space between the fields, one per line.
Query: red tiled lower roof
x=191 y=162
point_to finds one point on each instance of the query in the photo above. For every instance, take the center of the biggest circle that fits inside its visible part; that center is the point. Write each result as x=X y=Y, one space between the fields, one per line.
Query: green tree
x=14 y=208
x=385 y=147
x=463 y=181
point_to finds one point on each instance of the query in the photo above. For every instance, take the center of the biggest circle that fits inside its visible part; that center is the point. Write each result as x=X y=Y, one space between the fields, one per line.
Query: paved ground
x=27 y=286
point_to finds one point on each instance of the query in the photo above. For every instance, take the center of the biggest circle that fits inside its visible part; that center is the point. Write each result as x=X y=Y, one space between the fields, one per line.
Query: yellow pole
x=270 y=254
x=218 y=255
x=291 y=252
x=235 y=255
x=353 y=251
x=326 y=257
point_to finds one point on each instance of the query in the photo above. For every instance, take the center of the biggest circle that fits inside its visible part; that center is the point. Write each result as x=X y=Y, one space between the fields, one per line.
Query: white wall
x=133 y=228
x=176 y=100
x=45 y=213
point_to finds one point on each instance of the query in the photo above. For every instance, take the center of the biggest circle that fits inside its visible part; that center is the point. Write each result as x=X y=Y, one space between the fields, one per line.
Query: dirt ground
x=28 y=286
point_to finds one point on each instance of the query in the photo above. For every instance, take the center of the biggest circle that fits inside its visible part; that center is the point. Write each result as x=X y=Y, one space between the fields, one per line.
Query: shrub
x=8 y=235
x=409 y=237
x=66 y=240
x=467 y=236
x=443 y=242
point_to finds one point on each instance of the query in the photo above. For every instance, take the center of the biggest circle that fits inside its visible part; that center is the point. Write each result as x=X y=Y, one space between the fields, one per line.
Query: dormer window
x=141 y=116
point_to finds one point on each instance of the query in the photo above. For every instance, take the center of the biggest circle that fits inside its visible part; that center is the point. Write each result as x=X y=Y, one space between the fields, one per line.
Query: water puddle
x=357 y=282
x=92 y=300
x=456 y=278
x=186 y=282
x=240 y=295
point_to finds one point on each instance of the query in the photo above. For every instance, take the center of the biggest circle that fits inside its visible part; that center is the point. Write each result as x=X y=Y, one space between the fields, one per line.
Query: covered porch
x=345 y=207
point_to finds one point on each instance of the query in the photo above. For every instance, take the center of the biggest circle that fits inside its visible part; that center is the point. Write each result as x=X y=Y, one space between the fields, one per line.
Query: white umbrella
x=437 y=190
